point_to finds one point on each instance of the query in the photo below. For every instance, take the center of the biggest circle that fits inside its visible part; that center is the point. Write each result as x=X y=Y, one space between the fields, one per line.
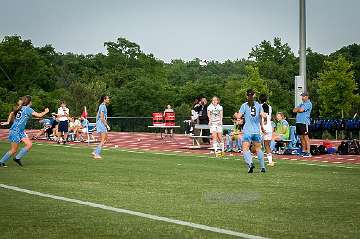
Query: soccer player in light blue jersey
x=102 y=126
x=252 y=112
x=17 y=131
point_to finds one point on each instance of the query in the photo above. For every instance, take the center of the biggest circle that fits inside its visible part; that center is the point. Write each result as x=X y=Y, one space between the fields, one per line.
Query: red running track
x=181 y=143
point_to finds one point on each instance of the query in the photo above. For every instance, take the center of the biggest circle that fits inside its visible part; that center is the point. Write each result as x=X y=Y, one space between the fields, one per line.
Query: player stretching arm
x=17 y=131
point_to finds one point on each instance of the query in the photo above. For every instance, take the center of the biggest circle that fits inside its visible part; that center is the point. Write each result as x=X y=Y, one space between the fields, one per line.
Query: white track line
x=134 y=213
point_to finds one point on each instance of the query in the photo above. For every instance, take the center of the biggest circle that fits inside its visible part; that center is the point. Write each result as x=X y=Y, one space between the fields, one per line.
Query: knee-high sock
x=222 y=146
x=248 y=157
x=228 y=142
x=260 y=155
x=269 y=157
x=98 y=149
x=21 y=153
x=215 y=145
x=238 y=144
x=5 y=157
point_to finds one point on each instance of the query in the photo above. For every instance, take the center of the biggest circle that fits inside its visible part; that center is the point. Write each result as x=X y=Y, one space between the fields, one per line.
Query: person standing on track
x=215 y=113
x=63 y=114
x=17 y=131
x=102 y=126
x=303 y=112
x=252 y=112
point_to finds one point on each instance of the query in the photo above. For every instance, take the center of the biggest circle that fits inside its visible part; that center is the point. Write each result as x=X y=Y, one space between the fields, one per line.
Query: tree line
x=139 y=83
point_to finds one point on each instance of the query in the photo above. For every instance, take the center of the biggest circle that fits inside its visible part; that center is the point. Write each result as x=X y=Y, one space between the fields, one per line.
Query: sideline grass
x=290 y=201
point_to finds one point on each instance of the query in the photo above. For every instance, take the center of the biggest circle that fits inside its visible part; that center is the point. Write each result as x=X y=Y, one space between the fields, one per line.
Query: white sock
x=269 y=158
x=215 y=146
x=222 y=146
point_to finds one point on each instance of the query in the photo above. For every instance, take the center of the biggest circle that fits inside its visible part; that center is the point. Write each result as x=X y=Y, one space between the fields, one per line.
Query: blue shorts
x=63 y=126
x=16 y=136
x=100 y=127
x=252 y=138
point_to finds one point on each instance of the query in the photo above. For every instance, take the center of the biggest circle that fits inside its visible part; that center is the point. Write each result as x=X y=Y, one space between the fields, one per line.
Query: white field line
x=134 y=213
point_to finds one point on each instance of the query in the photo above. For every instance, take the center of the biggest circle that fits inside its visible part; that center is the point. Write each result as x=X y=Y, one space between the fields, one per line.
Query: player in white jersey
x=267 y=127
x=215 y=114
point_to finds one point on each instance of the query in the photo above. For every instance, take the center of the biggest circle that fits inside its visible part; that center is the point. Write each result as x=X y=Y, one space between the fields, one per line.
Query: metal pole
x=302 y=43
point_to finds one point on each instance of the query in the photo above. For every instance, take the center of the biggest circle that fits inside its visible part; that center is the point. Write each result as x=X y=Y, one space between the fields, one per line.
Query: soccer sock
x=215 y=145
x=21 y=153
x=248 y=157
x=238 y=144
x=5 y=157
x=269 y=157
x=222 y=146
x=98 y=150
x=260 y=155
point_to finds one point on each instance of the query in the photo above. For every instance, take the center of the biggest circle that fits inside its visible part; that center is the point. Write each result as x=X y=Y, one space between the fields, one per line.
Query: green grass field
x=292 y=200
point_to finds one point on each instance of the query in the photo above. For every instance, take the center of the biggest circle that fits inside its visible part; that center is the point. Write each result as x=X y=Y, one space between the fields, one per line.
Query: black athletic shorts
x=302 y=129
x=63 y=126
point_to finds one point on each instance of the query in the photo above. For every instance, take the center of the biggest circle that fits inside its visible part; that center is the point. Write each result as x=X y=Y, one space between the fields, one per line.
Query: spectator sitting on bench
x=46 y=125
x=83 y=128
x=168 y=109
x=72 y=129
x=233 y=139
x=77 y=128
x=282 y=130
x=54 y=126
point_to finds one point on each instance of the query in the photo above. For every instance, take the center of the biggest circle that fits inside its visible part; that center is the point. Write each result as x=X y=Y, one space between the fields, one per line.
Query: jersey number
x=18 y=115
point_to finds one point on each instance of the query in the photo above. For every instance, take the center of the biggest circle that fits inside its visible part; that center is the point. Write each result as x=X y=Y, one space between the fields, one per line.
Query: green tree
x=275 y=61
x=23 y=67
x=235 y=89
x=336 y=87
x=141 y=97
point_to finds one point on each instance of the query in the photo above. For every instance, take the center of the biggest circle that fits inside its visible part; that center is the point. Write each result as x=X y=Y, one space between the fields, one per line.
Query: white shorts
x=216 y=129
x=267 y=136
x=84 y=130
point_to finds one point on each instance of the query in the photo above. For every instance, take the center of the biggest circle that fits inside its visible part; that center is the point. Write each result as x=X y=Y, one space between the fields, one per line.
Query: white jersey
x=215 y=114
x=267 y=123
x=61 y=113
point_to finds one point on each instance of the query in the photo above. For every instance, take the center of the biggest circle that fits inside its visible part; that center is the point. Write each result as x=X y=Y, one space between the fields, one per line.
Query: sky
x=187 y=29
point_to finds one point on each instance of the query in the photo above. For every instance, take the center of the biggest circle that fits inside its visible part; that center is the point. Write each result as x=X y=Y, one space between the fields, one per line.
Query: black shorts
x=63 y=126
x=302 y=129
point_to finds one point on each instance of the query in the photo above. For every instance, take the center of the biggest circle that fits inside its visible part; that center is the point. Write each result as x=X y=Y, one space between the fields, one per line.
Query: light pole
x=300 y=81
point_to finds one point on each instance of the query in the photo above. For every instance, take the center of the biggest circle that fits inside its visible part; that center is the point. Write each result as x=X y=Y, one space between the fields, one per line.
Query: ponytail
x=25 y=100
x=102 y=98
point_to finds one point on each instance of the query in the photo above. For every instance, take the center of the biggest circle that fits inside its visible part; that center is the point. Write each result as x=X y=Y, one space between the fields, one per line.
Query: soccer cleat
x=18 y=161
x=263 y=170
x=3 y=165
x=306 y=155
x=271 y=164
x=97 y=157
x=251 y=168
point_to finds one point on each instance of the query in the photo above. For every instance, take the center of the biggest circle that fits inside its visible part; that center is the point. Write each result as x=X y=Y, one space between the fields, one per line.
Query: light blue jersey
x=304 y=117
x=85 y=123
x=100 y=126
x=252 y=117
x=17 y=130
x=46 y=123
x=21 y=118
